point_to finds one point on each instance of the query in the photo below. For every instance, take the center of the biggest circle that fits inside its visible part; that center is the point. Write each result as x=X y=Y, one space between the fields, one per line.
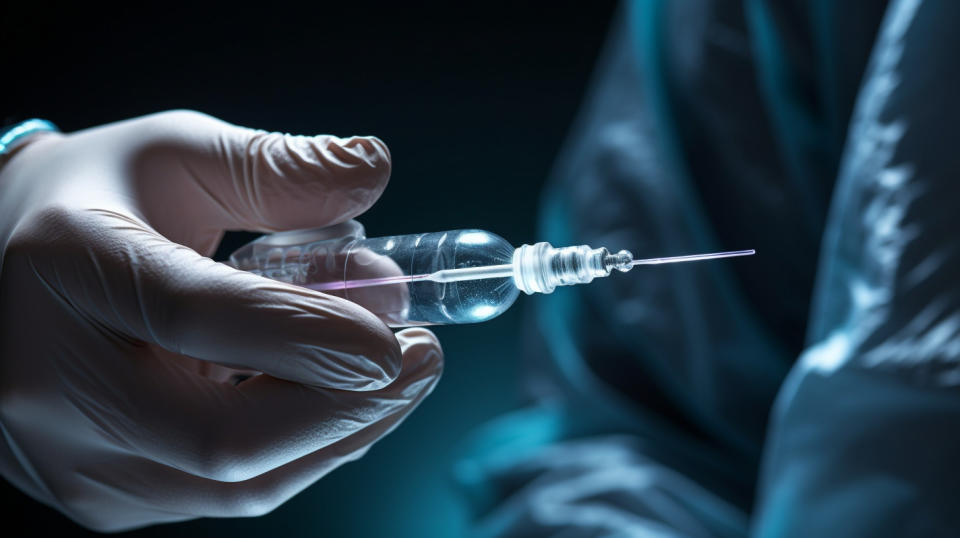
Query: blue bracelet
x=13 y=136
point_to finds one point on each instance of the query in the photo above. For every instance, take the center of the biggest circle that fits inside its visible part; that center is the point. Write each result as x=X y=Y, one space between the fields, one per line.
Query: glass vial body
x=341 y=261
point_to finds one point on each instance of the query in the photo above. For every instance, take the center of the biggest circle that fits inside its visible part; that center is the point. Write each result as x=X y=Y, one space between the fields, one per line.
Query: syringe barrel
x=342 y=261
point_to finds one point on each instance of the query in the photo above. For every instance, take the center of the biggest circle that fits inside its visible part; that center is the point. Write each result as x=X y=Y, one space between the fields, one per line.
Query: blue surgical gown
x=812 y=390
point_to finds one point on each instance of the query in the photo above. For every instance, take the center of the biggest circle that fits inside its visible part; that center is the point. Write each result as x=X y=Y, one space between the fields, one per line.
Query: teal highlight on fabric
x=15 y=134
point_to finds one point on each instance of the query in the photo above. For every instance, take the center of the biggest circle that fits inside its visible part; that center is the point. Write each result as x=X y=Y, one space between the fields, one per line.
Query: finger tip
x=369 y=151
x=422 y=346
x=381 y=147
x=366 y=173
x=330 y=342
x=384 y=354
x=416 y=334
x=378 y=158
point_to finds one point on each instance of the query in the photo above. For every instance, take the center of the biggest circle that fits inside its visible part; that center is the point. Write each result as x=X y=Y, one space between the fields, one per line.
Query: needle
x=694 y=257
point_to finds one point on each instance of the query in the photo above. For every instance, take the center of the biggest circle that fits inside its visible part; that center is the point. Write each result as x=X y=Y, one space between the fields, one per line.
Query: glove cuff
x=16 y=134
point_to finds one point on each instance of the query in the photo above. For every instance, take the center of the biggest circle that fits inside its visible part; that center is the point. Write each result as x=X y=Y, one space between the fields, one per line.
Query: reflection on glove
x=116 y=332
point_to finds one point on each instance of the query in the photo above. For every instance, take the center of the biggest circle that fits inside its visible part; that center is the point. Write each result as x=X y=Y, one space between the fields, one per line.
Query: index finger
x=235 y=178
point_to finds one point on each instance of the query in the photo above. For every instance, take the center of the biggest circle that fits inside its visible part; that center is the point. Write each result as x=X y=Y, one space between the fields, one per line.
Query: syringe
x=459 y=276
x=506 y=270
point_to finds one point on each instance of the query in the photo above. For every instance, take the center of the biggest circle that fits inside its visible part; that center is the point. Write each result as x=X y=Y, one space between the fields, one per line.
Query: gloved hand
x=116 y=405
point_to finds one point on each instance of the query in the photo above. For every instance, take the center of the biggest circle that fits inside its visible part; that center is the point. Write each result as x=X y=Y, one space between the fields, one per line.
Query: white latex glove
x=113 y=323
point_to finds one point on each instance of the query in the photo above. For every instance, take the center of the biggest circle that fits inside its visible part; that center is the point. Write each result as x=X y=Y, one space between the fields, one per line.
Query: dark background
x=474 y=103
